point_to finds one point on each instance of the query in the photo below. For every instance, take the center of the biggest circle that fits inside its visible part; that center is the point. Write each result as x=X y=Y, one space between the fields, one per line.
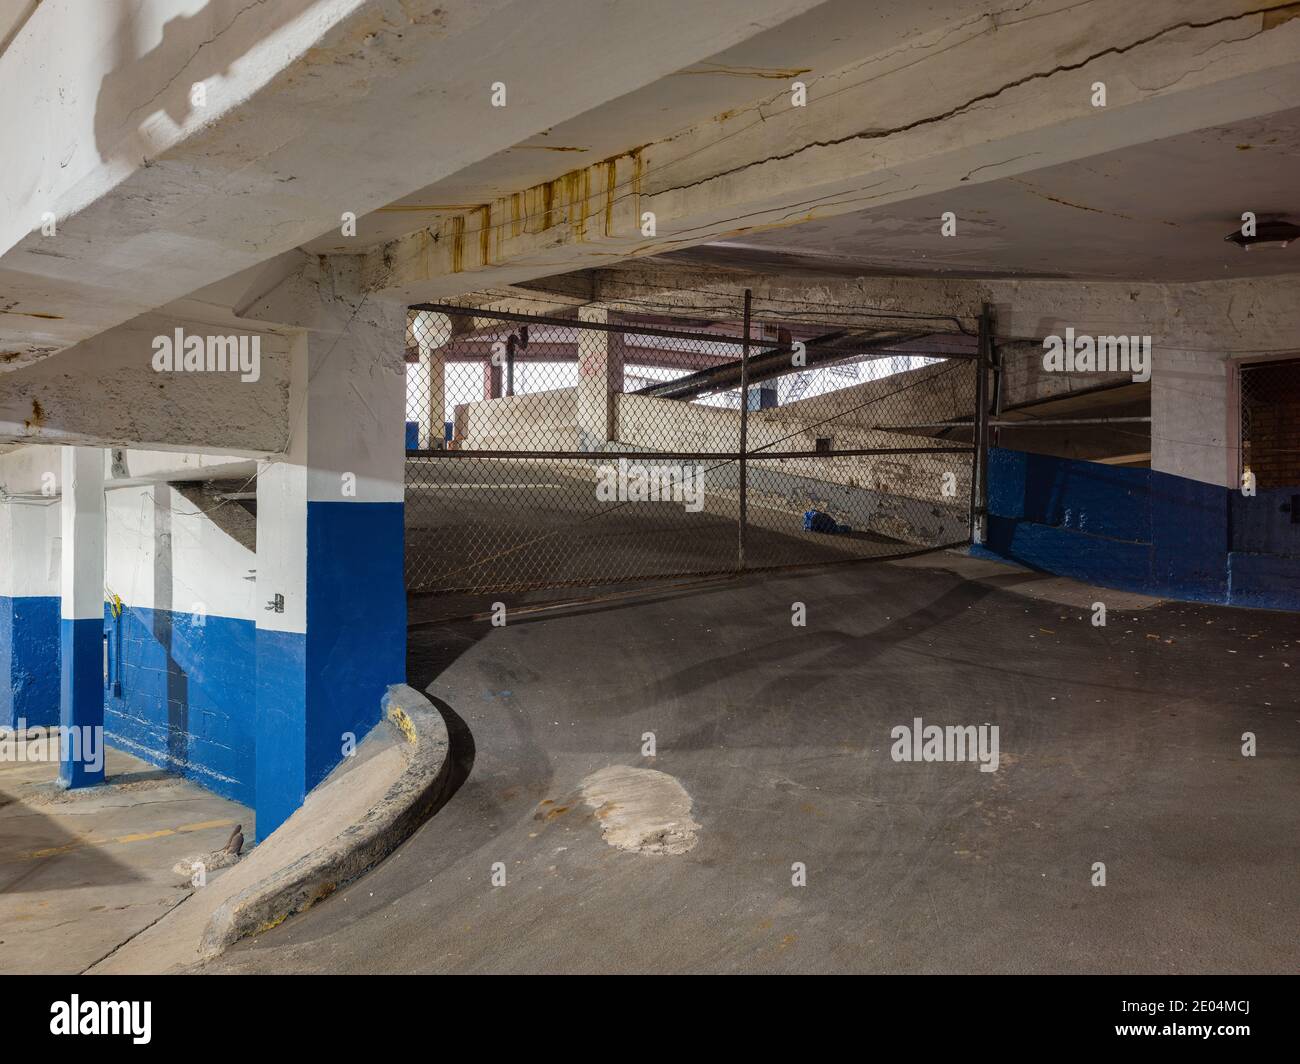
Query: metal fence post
x=744 y=436
x=979 y=488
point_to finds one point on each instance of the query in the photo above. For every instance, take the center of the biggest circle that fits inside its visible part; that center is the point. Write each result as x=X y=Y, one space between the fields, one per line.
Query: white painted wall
x=154 y=527
x=30 y=540
x=23 y=469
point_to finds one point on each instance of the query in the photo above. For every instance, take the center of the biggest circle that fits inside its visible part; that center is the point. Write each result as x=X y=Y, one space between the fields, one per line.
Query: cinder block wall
x=182 y=667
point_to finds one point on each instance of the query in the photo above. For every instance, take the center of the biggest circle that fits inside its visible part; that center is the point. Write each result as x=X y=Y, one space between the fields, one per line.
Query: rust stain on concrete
x=38 y=416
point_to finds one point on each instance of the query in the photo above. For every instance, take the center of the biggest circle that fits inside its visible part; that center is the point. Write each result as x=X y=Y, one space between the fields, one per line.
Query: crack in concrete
x=879 y=134
x=1003 y=162
x=189 y=59
x=1083 y=207
x=170 y=909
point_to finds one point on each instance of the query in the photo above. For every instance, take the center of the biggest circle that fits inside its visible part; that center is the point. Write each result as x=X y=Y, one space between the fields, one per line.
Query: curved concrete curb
x=409 y=802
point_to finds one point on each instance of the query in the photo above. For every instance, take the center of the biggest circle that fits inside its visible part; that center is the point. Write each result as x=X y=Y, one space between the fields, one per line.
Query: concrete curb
x=409 y=802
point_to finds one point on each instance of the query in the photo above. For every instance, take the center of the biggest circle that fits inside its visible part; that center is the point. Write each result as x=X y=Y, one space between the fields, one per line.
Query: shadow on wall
x=194 y=48
x=1142 y=530
x=180 y=688
x=181 y=695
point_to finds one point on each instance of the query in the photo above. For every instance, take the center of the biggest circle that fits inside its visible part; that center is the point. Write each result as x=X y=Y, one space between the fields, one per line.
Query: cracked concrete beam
x=105 y=392
x=1238 y=317
x=313 y=108
x=980 y=98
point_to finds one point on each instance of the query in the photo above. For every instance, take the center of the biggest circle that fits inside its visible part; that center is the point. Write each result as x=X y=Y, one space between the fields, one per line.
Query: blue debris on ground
x=819 y=521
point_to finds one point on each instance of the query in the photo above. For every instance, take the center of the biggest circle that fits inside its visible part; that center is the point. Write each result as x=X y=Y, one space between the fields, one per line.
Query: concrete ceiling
x=832 y=35
x=1155 y=212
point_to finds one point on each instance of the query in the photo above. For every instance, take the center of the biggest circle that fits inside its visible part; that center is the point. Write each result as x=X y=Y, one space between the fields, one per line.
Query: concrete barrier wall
x=539 y=421
x=1132 y=529
x=878 y=493
x=870 y=492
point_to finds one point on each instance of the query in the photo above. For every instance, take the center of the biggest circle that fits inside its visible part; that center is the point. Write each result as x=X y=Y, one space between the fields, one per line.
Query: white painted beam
x=107 y=392
x=313 y=108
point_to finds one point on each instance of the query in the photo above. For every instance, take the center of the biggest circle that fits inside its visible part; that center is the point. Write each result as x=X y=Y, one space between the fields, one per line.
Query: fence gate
x=550 y=452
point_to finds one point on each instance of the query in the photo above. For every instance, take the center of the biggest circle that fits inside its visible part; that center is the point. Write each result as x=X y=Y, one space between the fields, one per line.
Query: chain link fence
x=1270 y=423
x=548 y=452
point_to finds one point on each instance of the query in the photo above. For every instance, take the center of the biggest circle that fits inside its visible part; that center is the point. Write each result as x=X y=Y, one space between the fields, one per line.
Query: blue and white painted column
x=81 y=626
x=331 y=618
x=29 y=588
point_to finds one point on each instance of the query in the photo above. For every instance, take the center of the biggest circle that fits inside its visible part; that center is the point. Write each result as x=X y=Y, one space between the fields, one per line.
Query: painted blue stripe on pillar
x=312 y=689
x=81 y=694
x=281 y=727
x=356 y=622
x=29 y=661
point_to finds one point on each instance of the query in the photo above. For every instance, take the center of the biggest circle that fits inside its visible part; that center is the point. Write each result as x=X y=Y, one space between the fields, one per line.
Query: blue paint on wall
x=313 y=689
x=281 y=727
x=180 y=695
x=356 y=622
x=29 y=661
x=1267 y=522
x=81 y=693
x=1264 y=580
x=1130 y=529
x=1190 y=539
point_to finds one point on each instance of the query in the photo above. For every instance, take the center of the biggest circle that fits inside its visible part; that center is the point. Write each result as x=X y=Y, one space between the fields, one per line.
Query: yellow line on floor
x=141 y=836
x=203 y=824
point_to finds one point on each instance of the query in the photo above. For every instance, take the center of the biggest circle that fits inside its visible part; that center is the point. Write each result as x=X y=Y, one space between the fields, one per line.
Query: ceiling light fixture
x=1272 y=233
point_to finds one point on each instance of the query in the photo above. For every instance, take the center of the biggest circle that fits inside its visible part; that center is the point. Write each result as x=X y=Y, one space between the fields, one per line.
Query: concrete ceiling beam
x=310 y=109
x=977 y=98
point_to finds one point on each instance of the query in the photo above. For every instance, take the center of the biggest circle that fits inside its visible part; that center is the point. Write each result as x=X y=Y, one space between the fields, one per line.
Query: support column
x=81 y=628
x=1195 y=436
x=491 y=381
x=762 y=396
x=433 y=361
x=331 y=630
x=1194 y=423
x=426 y=399
x=600 y=379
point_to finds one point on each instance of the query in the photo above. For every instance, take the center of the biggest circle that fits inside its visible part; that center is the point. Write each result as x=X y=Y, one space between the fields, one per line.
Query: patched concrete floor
x=83 y=872
x=1119 y=745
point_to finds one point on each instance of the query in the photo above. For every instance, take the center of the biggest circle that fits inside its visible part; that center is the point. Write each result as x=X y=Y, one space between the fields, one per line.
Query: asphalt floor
x=1119 y=746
